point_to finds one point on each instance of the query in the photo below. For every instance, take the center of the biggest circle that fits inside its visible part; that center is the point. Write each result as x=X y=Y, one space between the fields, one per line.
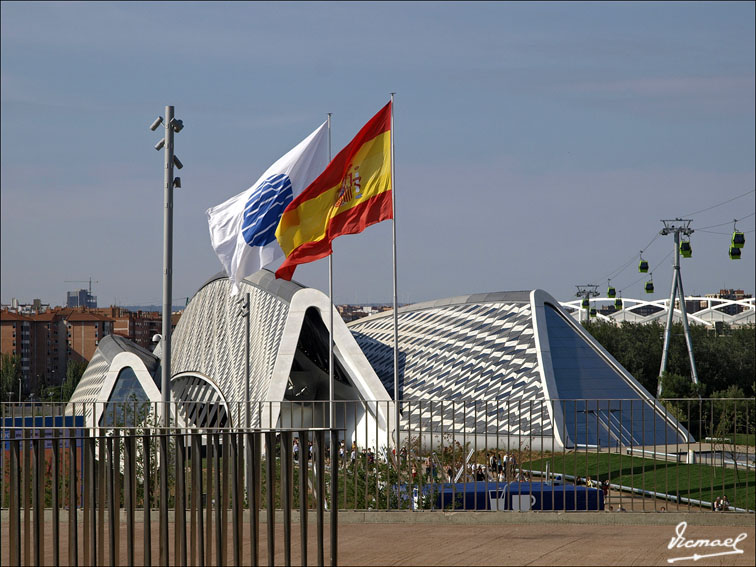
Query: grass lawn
x=702 y=482
x=745 y=439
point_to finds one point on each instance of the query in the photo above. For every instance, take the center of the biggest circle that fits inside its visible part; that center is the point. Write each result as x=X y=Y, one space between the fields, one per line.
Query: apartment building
x=84 y=329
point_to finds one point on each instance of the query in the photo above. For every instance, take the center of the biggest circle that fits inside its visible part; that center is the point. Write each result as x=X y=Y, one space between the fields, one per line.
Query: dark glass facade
x=128 y=404
x=599 y=407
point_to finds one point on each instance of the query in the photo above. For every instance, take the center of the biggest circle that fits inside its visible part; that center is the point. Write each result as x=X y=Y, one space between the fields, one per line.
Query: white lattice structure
x=713 y=312
x=510 y=364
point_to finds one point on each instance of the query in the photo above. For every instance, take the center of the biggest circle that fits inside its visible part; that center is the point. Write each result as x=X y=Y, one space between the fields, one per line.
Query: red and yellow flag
x=352 y=193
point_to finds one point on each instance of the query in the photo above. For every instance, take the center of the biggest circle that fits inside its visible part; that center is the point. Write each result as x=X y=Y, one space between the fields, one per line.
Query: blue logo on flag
x=264 y=208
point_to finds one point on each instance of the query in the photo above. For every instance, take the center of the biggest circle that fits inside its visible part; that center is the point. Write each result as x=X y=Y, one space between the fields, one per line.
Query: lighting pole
x=171 y=125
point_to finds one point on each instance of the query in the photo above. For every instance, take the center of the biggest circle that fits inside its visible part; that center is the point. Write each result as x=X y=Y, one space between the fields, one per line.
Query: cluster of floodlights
x=177 y=126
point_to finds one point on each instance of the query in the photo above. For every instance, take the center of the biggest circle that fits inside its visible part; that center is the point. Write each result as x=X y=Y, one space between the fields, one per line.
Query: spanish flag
x=352 y=193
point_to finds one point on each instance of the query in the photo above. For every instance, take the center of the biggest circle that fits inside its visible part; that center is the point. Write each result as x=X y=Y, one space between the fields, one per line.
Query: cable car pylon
x=676 y=227
x=586 y=291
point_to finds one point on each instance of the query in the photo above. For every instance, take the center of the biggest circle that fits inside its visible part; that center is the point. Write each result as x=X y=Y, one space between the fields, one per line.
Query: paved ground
x=473 y=539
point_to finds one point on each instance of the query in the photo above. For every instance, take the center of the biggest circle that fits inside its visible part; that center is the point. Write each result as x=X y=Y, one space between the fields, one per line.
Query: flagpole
x=331 y=412
x=396 y=312
x=331 y=396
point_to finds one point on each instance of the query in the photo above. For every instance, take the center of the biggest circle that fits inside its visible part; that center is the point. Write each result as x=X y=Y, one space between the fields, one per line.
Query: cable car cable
x=720 y=204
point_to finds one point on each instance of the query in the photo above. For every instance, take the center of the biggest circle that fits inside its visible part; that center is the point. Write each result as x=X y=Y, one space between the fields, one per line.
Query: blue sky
x=537 y=144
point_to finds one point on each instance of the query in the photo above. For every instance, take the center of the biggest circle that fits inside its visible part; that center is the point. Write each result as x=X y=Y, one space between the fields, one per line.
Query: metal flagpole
x=331 y=397
x=396 y=312
x=331 y=412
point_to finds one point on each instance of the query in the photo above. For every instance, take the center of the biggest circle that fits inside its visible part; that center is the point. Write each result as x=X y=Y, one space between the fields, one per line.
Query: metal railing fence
x=103 y=483
x=162 y=496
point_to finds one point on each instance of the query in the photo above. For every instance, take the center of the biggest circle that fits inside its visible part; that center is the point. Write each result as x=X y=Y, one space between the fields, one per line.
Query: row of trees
x=725 y=362
x=11 y=381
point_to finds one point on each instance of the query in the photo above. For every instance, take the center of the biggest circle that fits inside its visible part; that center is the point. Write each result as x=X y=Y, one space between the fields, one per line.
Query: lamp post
x=172 y=125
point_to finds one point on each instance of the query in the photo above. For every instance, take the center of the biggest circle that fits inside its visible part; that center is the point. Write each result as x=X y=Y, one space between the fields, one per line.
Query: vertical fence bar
x=255 y=443
x=180 y=500
x=225 y=496
x=270 y=490
x=163 y=468
x=90 y=512
x=111 y=503
x=198 y=544
x=26 y=494
x=747 y=448
x=129 y=498
x=102 y=500
x=464 y=455
x=368 y=450
x=656 y=442
x=117 y=487
x=209 y=499
x=303 y=504
x=37 y=499
x=320 y=503
x=235 y=500
x=711 y=451
x=219 y=525
x=86 y=475
x=55 y=497
x=286 y=475
x=73 y=532
x=147 y=486
x=334 y=505
x=15 y=501
x=632 y=455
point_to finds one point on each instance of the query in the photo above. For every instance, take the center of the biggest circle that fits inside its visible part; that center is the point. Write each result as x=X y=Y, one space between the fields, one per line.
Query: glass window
x=128 y=404
x=598 y=405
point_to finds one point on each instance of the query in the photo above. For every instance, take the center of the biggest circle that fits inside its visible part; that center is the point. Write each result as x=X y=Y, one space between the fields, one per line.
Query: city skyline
x=537 y=145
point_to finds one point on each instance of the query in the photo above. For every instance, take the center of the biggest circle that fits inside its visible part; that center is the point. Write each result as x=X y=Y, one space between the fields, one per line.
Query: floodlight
x=158 y=122
x=177 y=162
x=160 y=144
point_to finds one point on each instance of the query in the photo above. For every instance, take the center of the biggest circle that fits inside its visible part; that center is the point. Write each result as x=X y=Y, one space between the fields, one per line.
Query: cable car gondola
x=685 y=250
x=586 y=304
x=642 y=266
x=738 y=239
x=593 y=311
x=611 y=292
x=734 y=253
x=650 y=286
x=618 y=304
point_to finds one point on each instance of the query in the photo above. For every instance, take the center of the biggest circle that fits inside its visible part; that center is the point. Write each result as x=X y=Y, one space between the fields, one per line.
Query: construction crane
x=83 y=281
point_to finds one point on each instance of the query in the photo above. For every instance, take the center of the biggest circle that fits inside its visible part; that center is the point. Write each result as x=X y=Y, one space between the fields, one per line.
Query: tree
x=10 y=374
x=74 y=372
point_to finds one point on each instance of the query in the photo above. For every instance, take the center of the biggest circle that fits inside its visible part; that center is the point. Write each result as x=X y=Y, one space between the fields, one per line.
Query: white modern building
x=513 y=365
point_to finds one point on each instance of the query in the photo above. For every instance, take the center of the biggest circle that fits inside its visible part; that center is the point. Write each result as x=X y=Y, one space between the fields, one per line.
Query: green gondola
x=611 y=292
x=734 y=253
x=650 y=287
x=643 y=266
x=618 y=304
x=685 y=250
x=586 y=304
x=593 y=311
x=738 y=239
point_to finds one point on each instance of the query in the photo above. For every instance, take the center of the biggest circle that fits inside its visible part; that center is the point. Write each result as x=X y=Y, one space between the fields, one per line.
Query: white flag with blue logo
x=243 y=229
